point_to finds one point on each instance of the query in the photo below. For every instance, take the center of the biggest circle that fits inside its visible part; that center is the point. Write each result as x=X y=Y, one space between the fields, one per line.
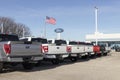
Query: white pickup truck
x=77 y=50
x=80 y=49
x=89 y=50
x=14 y=51
x=55 y=50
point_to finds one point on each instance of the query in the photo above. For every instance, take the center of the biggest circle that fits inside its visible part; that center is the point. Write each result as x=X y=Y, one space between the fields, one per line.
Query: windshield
x=59 y=42
x=73 y=43
x=5 y=37
x=39 y=40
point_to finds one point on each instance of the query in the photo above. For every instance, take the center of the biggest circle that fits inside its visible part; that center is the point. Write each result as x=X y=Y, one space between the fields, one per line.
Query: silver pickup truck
x=55 y=50
x=13 y=51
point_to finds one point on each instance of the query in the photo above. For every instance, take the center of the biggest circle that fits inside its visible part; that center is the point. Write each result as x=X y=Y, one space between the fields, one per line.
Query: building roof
x=103 y=37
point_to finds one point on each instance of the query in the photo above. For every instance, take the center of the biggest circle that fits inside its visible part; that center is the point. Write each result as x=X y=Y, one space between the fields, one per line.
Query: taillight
x=69 y=48
x=44 y=49
x=96 y=48
x=7 y=48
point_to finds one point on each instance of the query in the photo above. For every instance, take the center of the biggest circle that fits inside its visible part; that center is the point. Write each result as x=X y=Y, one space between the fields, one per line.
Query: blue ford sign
x=59 y=30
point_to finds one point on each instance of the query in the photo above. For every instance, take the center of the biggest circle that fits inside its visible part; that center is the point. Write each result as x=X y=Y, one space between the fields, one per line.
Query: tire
x=55 y=61
x=99 y=55
x=14 y=64
x=93 y=56
x=73 y=59
x=38 y=64
x=85 y=57
x=27 y=65
x=105 y=54
x=1 y=66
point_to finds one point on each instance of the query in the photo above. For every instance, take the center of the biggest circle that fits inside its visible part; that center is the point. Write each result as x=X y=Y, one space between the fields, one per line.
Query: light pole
x=96 y=24
x=23 y=32
x=2 y=28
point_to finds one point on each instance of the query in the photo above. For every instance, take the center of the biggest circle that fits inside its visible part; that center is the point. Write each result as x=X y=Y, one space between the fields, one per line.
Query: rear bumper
x=55 y=56
x=32 y=58
x=80 y=54
x=102 y=52
x=76 y=54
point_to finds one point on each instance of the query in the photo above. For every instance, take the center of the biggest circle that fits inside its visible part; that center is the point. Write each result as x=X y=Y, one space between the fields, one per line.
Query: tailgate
x=57 y=49
x=21 y=49
x=77 y=49
x=89 y=48
x=107 y=48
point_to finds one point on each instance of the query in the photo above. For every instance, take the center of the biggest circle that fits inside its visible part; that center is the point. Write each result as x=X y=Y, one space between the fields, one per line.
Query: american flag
x=50 y=20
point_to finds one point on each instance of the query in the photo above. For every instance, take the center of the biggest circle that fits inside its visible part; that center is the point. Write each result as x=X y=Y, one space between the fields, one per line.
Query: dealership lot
x=102 y=68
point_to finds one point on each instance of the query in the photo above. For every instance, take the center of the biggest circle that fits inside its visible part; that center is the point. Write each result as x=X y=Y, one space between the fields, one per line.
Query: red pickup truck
x=101 y=50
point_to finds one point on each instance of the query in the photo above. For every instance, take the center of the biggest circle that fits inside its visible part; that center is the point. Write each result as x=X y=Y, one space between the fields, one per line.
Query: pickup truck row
x=28 y=51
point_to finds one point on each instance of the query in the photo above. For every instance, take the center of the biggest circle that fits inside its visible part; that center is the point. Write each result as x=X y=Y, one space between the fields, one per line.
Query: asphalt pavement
x=101 y=68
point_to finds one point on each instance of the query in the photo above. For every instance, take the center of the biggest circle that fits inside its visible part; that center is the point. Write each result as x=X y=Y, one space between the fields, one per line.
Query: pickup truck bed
x=55 y=51
x=79 y=49
x=14 y=51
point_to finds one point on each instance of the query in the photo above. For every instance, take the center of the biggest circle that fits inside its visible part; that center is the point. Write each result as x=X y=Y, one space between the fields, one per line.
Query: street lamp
x=96 y=24
x=2 y=28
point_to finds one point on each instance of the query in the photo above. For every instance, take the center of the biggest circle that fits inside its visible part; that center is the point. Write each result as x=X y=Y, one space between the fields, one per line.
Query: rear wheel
x=105 y=54
x=93 y=56
x=38 y=64
x=27 y=65
x=1 y=66
x=73 y=59
x=55 y=61
x=99 y=55
x=86 y=56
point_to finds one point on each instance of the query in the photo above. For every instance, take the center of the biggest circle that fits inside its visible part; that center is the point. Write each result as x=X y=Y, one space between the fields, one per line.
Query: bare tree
x=11 y=27
x=23 y=30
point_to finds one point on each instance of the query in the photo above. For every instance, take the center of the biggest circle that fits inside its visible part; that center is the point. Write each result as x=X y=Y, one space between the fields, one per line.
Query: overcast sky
x=76 y=17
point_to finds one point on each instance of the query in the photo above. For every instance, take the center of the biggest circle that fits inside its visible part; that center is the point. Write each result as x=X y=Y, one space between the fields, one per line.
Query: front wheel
x=27 y=65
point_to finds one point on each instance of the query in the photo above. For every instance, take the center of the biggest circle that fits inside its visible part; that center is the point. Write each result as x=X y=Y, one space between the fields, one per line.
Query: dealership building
x=105 y=38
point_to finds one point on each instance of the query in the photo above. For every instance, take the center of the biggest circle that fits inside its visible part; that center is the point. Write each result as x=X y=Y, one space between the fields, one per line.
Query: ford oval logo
x=59 y=30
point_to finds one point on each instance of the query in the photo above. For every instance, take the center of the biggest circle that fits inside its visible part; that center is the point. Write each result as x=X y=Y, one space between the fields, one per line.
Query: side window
x=5 y=37
x=49 y=41
x=39 y=40
x=24 y=39
x=44 y=41
x=60 y=42
x=73 y=43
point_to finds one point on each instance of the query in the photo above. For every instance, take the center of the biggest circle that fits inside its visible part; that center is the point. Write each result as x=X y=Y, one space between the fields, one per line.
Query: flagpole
x=49 y=20
x=45 y=30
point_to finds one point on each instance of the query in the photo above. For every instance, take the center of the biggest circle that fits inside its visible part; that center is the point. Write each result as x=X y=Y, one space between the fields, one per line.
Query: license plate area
x=73 y=54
